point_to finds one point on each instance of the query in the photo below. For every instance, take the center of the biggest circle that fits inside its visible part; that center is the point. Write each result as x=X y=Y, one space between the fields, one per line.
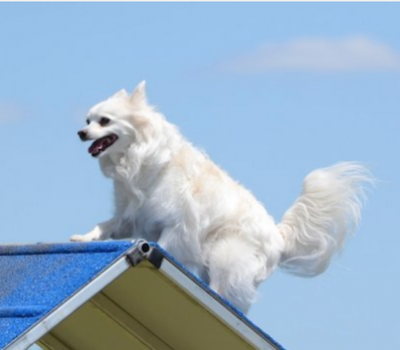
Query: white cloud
x=319 y=55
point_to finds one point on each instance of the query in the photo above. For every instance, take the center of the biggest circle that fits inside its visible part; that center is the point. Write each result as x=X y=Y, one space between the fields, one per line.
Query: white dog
x=169 y=192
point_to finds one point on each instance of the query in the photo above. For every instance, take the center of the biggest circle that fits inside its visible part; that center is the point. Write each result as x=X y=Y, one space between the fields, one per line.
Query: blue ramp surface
x=35 y=279
x=114 y=294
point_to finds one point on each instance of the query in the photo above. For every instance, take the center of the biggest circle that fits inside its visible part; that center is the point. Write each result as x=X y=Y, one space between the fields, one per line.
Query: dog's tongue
x=97 y=146
x=101 y=144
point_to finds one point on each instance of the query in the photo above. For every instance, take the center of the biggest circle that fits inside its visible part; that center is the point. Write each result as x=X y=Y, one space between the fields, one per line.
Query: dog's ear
x=138 y=96
x=120 y=94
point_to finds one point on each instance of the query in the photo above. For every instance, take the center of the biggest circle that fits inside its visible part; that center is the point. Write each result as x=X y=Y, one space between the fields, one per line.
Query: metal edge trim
x=70 y=305
x=215 y=307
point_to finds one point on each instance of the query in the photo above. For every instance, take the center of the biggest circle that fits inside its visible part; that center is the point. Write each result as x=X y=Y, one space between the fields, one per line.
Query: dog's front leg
x=100 y=232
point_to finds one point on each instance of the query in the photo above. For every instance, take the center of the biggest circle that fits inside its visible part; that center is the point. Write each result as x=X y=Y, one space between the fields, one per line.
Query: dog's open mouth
x=100 y=145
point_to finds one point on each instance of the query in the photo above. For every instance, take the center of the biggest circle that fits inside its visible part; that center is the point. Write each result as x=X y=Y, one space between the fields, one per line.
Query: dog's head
x=116 y=123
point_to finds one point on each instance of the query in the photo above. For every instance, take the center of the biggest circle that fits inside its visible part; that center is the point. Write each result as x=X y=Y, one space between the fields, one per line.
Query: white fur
x=168 y=191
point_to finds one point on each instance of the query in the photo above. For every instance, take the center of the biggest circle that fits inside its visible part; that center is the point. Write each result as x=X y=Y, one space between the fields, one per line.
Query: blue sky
x=270 y=90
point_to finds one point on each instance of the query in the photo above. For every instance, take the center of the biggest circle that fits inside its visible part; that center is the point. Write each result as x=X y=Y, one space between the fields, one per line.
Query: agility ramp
x=113 y=295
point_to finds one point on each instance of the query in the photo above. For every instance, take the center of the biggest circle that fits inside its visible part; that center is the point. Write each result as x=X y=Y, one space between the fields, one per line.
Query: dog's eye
x=104 y=121
x=87 y=121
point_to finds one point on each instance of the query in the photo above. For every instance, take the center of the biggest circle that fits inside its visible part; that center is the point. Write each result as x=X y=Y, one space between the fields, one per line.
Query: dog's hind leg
x=186 y=252
x=235 y=270
x=100 y=232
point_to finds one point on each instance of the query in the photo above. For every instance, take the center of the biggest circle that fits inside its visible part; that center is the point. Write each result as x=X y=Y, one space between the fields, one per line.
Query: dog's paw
x=81 y=238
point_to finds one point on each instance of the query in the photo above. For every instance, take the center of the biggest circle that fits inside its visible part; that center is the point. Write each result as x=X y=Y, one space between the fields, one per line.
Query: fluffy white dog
x=169 y=192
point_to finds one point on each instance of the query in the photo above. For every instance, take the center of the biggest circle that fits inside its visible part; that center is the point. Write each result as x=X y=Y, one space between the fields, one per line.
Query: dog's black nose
x=83 y=135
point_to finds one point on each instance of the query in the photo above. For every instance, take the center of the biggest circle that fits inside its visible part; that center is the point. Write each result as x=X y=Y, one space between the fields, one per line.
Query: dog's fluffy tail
x=318 y=223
